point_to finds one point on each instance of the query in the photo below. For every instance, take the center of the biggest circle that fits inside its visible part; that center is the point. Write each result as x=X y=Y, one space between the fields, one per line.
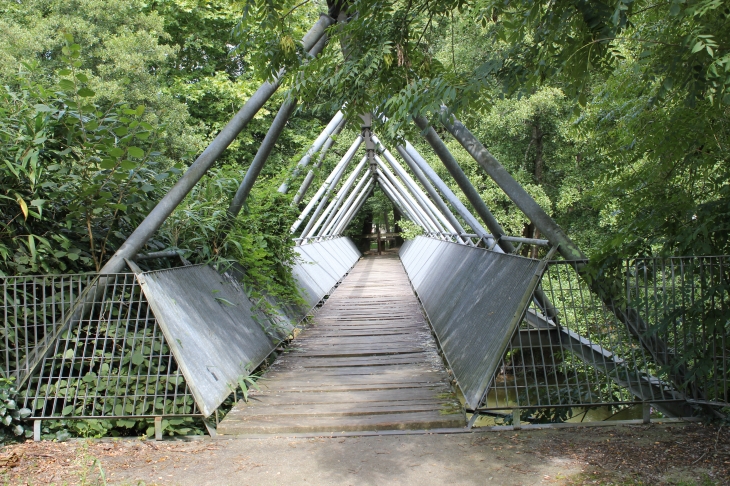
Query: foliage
x=409 y=230
x=12 y=418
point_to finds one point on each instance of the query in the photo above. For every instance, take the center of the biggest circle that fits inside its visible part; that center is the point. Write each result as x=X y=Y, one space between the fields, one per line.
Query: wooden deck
x=368 y=362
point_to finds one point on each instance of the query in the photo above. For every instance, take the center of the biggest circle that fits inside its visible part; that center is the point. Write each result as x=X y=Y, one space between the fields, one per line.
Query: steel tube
x=393 y=195
x=407 y=198
x=335 y=203
x=345 y=207
x=542 y=221
x=464 y=183
x=444 y=189
x=357 y=208
x=323 y=188
x=353 y=208
x=286 y=110
x=425 y=203
x=205 y=161
x=322 y=154
x=434 y=195
x=338 y=172
x=318 y=143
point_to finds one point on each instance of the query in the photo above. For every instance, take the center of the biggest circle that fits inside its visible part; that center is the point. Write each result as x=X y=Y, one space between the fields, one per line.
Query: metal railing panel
x=211 y=328
x=321 y=265
x=114 y=362
x=472 y=297
x=30 y=307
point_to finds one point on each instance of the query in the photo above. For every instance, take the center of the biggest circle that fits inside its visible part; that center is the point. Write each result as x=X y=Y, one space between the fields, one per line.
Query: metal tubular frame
x=326 y=184
x=356 y=204
x=329 y=212
x=448 y=194
x=349 y=219
x=322 y=154
x=436 y=198
x=399 y=201
x=277 y=126
x=398 y=188
x=205 y=161
x=327 y=228
x=433 y=212
x=318 y=143
x=314 y=220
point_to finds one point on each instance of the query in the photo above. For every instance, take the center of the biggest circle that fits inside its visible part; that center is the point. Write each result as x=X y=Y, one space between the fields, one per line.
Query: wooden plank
x=368 y=362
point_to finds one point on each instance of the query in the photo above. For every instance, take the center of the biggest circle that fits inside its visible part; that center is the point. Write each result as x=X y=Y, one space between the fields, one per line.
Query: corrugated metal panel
x=471 y=296
x=210 y=327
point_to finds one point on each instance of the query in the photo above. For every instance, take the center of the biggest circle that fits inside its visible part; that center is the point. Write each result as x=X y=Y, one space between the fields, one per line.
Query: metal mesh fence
x=686 y=301
x=30 y=307
x=114 y=362
x=580 y=354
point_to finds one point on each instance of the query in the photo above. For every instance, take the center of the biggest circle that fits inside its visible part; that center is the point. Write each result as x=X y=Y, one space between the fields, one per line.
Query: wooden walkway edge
x=368 y=362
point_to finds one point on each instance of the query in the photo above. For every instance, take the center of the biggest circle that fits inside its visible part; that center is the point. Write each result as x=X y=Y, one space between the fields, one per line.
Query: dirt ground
x=651 y=454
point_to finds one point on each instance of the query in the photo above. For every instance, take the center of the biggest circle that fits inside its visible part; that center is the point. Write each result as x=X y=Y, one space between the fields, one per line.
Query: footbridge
x=460 y=323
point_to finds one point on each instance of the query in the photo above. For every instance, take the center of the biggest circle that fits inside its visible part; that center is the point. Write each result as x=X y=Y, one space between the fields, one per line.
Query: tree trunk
x=396 y=227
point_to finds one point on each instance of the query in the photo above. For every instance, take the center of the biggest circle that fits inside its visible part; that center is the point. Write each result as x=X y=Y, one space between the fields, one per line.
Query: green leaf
x=69 y=352
x=42 y=108
x=140 y=110
x=82 y=77
x=121 y=131
x=128 y=165
x=66 y=84
x=137 y=358
x=116 y=152
x=67 y=410
x=136 y=152
x=107 y=163
x=86 y=92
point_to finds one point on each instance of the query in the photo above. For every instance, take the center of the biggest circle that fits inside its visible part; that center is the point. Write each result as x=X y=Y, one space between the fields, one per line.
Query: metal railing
x=114 y=362
x=581 y=355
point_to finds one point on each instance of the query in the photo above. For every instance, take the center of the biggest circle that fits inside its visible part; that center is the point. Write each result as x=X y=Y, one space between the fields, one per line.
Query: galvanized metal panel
x=209 y=325
x=321 y=265
x=419 y=253
x=471 y=296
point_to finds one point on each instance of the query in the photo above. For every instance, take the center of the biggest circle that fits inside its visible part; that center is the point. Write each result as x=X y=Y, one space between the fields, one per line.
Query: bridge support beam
x=329 y=227
x=448 y=194
x=464 y=183
x=322 y=154
x=435 y=197
x=262 y=155
x=205 y=161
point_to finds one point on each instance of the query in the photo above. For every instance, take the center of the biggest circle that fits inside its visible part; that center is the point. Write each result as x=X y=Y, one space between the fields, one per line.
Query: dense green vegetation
x=613 y=114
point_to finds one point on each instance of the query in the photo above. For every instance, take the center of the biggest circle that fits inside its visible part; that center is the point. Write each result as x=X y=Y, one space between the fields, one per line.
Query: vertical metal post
x=646 y=412
x=318 y=143
x=516 y=419
x=205 y=161
x=322 y=154
x=158 y=428
x=37 y=430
